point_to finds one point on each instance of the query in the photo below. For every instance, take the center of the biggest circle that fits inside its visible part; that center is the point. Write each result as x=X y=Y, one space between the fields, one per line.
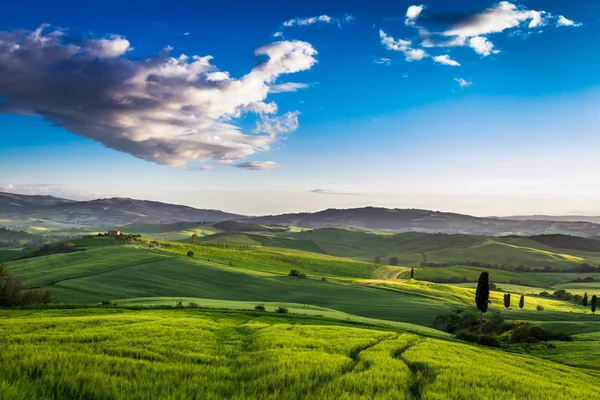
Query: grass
x=472 y=274
x=197 y=354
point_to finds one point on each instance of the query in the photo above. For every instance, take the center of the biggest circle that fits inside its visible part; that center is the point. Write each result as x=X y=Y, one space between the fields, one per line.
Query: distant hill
x=562 y=218
x=101 y=212
x=373 y=218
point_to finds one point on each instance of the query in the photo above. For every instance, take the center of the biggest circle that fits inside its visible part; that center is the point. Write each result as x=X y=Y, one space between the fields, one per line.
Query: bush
x=491 y=340
x=535 y=334
x=297 y=274
x=539 y=307
x=324 y=278
x=260 y=307
x=281 y=310
x=190 y=254
x=193 y=305
x=179 y=304
x=106 y=303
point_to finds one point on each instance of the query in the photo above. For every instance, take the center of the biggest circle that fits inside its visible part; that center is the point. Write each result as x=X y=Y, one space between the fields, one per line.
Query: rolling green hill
x=126 y=354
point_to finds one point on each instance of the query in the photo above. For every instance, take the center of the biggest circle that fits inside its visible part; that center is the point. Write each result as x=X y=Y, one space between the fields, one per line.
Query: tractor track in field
x=421 y=374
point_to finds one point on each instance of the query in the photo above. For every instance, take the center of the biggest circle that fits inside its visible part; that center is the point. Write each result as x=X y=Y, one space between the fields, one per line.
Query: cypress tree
x=482 y=298
x=522 y=302
x=507 y=300
x=412 y=273
x=593 y=304
x=584 y=302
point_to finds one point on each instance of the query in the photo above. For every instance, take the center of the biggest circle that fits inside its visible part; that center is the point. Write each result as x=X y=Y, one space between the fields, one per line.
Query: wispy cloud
x=404 y=46
x=257 y=165
x=335 y=192
x=274 y=126
x=287 y=87
x=171 y=110
x=382 y=61
x=278 y=34
x=321 y=19
x=463 y=83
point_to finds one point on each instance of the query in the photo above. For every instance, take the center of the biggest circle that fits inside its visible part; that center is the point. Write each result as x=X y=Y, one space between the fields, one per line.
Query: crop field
x=354 y=329
x=198 y=354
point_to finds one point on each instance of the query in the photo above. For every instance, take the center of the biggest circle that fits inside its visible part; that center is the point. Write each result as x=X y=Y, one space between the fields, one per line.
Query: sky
x=266 y=107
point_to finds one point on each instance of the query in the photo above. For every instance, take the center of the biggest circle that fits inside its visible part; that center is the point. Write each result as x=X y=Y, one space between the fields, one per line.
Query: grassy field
x=196 y=354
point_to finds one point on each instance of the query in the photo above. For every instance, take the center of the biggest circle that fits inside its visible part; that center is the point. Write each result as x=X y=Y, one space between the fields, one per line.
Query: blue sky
x=475 y=107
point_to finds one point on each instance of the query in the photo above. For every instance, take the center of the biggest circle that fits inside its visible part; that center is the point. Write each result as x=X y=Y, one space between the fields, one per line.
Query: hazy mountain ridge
x=103 y=212
x=374 y=218
x=121 y=211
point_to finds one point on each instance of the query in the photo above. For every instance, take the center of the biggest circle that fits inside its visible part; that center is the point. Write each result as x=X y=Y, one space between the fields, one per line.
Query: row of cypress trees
x=482 y=299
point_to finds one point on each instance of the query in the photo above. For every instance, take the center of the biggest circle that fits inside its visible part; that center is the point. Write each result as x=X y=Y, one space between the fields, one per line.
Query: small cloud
x=482 y=46
x=383 y=61
x=325 y=19
x=412 y=14
x=200 y=168
x=321 y=19
x=335 y=192
x=278 y=34
x=404 y=46
x=405 y=75
x=463 y=83
x=276 y=125
x=185 y=34
x=562 y=21
x=257 y=165
x=446 y=60
x=287 y=87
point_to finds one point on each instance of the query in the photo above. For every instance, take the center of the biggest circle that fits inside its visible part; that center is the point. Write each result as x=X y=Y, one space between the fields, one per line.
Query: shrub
x=193 y=305
x=297 y=274
x=281 y=310
x=535 y=334
x=539 y=307
x=260 y=307
x=324 y=278
x=190 y=254
x=106 y=302
x=179 y=304
x=491 y=340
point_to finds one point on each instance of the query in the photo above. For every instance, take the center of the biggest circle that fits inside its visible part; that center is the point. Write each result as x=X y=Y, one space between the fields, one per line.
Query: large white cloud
x=165 y=109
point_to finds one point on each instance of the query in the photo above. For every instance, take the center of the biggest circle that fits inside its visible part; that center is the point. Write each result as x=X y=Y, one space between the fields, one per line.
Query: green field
x=356 y=329
x=120 y=354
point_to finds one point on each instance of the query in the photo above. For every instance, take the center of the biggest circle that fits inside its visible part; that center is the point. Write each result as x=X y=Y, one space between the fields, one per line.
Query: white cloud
x=165 y=109
x=446 y=60
x=321 y=19
x=502 y=16
x=383 y=61
x=278 y=34
x=412 y=14
x=562 y=21
x=274 y=126
x=287 y=87
x=482 y=46
x=326 y=19
x=463 y=83
x=473 y=30
x=257 y=165
x=403 y=46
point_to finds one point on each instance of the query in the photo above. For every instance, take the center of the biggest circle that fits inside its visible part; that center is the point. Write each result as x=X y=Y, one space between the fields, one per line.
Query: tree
x=522 y=302
x=394 y=260
x=377 y=260
x=194 y=238
x=593 y=304
x=412 y=273
x=482 y=298
x=190 y=254
x=584 y=302
x=507 y=300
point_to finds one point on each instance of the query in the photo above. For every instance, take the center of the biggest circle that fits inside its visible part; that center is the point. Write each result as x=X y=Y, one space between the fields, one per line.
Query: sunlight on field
x=121 y=354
